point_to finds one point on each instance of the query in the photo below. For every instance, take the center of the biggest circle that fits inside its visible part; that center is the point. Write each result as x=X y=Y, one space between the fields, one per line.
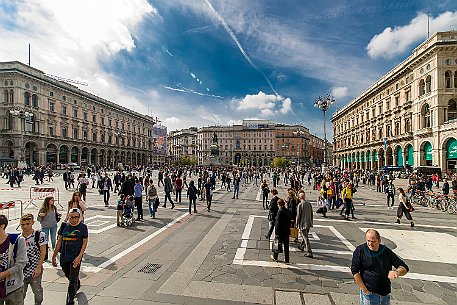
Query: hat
x=75 y=210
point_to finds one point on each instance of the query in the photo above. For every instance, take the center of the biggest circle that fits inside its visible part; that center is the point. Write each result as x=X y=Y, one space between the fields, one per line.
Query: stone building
x=44 y=120
x=182 y=143
x=408 y=117
x=253 y=142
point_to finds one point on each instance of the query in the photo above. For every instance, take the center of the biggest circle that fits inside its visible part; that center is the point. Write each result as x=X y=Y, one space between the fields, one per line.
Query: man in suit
x=304 y=222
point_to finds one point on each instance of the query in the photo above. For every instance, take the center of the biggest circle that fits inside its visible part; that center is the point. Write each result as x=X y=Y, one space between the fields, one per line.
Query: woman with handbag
x=282 y=230
x=49 y=218
x=404 y=207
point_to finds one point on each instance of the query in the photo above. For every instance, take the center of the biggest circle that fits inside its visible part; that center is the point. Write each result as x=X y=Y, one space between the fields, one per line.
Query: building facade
x=46 y=121
x=251 y=143
x=248 y=144
x=292 y=143
x=408 y=117
x=182 y=143
x=316 y=150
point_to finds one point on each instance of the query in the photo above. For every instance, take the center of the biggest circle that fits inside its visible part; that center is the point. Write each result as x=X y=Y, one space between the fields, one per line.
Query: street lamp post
x=323 y=103
x=21 y=114
x=299 y=133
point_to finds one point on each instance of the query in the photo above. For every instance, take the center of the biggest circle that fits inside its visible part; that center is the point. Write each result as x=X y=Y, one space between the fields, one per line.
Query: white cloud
x=71 y=38
x=172 y=120
x=339 y=92
x=392 y=42
x=267 y=103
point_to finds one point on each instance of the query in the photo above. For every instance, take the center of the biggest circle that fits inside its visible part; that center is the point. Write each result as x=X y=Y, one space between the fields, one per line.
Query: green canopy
x=400 y=157
x=410 y=155
x=451 y=149
x=428 y=151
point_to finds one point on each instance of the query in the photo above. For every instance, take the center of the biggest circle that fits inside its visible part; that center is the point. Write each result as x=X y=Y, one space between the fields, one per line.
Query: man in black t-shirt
x=372 y=269
x=72 y=242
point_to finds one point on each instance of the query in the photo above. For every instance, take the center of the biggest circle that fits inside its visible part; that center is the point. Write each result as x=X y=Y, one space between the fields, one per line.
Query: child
x=36 y=245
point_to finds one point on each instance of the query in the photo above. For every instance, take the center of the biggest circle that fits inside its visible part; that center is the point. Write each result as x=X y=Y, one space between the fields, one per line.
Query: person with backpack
x=151 y=197
x=83 y=182
x=37 y=251
x=347 y=194
x=71 y=244
x=13 y=259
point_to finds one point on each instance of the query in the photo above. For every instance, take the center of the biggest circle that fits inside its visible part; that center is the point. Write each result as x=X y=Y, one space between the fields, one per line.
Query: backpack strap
x=37 y=238
x=13 y=237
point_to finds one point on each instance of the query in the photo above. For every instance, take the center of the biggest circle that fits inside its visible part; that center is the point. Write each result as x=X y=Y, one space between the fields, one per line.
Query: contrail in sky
x=230 y=32
x=186 y=90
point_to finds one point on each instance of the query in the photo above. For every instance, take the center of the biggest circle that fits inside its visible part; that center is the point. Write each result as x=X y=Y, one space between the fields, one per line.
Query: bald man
x=372 y=269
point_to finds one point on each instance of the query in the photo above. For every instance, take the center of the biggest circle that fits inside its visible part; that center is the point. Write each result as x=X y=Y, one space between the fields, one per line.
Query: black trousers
x=106 y=196
x=194 y=201
x=178 y=195
x=285 y=244
x=72 y=274
x=403 y=210
x=139 y=207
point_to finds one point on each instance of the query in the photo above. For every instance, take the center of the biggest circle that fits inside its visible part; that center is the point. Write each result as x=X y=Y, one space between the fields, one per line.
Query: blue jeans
x=51 y=234
x=151 y=205
x=374 y=299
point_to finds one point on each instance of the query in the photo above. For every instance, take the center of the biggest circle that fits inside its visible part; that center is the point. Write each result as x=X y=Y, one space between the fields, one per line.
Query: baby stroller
x=125 y=216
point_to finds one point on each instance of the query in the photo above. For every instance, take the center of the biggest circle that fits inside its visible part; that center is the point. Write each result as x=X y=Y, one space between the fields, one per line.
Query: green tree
x=280 y=162
x=186 y=161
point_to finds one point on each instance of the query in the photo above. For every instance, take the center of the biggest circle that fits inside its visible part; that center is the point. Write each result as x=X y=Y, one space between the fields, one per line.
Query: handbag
x=58 y=215
x=338 y=203
x=277 y=246
x=270 y=216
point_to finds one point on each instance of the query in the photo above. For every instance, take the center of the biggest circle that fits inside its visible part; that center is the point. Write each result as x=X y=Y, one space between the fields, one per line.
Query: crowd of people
x=335 y=190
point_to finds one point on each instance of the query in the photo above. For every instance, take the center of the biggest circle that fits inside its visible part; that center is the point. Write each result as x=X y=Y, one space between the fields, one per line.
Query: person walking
x=404 y=207
x=273 y=211
x=265 y=192
x=151 y=196
x=372 y=269
x=282 y=230
x=304 y=222
x=36 y=246
x=347 y=198
x=76 y=202
x=168 y=188
x=192 y=193
x=390 y=194
x=138 y=198
x=105 y=186
x=236 y=186
x=48 y=217
x=71 y=244
x=83 y=182
x=178 y=188
x=13 y=259
x=209 y=193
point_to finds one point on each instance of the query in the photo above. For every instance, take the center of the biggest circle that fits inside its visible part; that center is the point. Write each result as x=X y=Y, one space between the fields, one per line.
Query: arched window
x=34 y=100
x=11 y=97
x=26 y=99
x=5 y=96
x=447 y=79
x=428 y=84
x=425 y=116
x=451 y=110
x=397 y=128
x=421 y=87
x=455 y=79
x=407 y=125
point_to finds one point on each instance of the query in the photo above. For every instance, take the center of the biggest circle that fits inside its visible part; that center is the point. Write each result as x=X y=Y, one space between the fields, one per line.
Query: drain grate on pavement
x=150 y=268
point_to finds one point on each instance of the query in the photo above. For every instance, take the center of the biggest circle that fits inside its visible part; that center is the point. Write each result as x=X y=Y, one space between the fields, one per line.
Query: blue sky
x=206 y=62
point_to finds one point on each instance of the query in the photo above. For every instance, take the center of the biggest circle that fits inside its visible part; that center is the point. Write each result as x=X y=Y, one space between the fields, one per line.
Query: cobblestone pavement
x=222 y=256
